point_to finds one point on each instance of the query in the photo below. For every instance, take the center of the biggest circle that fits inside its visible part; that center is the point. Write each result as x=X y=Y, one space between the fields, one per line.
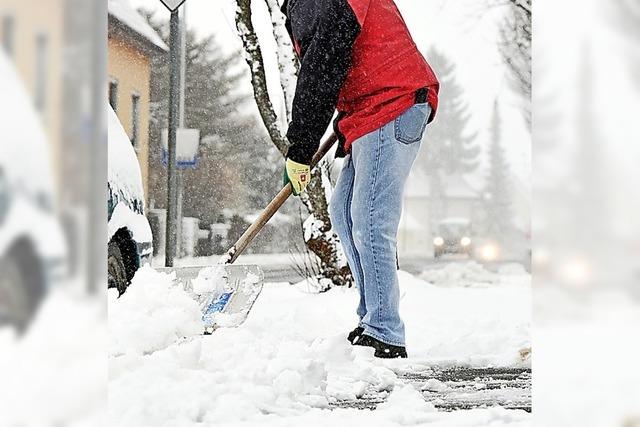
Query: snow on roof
x=127 y=15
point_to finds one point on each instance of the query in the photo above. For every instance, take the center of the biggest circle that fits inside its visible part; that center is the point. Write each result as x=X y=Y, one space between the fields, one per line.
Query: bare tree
x=253 y=56
x=319 y=236
x=515 y=45
x=516 y=38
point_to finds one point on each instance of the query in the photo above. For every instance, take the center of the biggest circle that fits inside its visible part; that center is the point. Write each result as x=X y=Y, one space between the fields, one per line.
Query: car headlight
x=465 y=241
x=438 y=241
x=489 y=252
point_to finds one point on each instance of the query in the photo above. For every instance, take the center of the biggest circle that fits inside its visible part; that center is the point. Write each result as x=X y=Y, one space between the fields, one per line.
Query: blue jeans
x=365 y=212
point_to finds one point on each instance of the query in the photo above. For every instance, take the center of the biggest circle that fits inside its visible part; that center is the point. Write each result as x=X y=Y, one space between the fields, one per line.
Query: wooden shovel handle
x=272 y=208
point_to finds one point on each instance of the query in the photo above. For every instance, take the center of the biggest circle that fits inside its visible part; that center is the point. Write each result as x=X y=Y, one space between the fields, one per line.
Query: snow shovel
x=227 y=292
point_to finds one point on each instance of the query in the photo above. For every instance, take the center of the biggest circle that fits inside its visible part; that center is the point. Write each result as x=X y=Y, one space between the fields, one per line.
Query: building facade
x=132 y=44
x=421 y=211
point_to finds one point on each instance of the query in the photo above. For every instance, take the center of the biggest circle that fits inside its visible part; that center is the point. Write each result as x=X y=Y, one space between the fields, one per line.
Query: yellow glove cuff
x=298 y=174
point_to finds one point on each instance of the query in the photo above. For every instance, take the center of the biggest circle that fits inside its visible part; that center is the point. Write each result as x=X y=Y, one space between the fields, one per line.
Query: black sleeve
x=323 y=69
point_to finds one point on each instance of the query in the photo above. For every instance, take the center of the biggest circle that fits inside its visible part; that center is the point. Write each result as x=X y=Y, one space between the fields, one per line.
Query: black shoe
x=382 y=350
x=355 y=334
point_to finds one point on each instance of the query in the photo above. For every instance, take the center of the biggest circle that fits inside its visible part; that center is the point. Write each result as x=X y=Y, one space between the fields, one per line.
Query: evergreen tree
x=451 y=148
x=238 y=165
x=497 y=194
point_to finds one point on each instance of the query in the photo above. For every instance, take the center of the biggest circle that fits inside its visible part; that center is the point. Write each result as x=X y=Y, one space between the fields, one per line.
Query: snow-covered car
x=453 y=236
x=130 y=241
x=33 y=251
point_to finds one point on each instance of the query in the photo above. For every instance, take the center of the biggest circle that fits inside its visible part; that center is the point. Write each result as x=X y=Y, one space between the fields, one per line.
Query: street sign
x=187 y=142
x=172 y=5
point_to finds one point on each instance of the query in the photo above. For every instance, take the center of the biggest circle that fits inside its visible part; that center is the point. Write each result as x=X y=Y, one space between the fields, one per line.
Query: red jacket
x=357 y=56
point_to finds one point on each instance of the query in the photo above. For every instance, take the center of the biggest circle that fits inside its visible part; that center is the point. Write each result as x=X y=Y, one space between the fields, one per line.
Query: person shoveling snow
x=357 y=56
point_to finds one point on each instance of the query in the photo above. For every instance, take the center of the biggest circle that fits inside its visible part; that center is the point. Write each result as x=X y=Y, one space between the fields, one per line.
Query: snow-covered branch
x=287 y=60
x=253 y=56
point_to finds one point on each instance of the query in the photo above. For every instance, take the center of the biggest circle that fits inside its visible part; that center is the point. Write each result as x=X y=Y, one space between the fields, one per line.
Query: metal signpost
x=175 y=55
x=172 y=5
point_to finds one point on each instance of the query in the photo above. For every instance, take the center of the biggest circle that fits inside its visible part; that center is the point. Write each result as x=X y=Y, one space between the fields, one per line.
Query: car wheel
x=117 y=272
x=21 y=289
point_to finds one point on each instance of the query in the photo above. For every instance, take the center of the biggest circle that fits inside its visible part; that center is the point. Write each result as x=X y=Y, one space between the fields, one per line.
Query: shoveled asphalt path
x=458 y=388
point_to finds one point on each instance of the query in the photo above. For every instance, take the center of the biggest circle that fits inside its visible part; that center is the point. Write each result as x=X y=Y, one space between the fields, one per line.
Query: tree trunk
x=319 y=236
x=288 y=63
x=253 y=56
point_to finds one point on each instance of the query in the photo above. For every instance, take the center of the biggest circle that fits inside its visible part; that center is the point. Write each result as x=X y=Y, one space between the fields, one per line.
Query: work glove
x=298 y=175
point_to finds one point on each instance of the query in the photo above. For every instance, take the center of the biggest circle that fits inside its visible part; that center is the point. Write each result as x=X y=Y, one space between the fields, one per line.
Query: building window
x=135 y=120
x=8 y=31
x=42 y=47
x=113 y=94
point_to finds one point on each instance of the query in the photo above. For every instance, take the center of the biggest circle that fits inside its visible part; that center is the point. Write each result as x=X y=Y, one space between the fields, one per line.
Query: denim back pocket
x=410 y=126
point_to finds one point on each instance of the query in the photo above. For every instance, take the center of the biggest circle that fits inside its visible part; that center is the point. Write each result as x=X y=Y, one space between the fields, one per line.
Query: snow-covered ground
x=290 y=362
x=55 y=374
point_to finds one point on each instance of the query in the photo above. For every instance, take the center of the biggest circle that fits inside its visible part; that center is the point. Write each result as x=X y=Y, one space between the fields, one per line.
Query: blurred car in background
x=33 y=250
x=453 y=236
x=130 y=240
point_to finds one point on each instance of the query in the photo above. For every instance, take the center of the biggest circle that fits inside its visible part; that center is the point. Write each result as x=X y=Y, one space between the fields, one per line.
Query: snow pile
x=290 y=360
x=474 y=325
x=469 y=273
x=406 y=406
x=473 y=274
x=210 y=280
x=153 y=314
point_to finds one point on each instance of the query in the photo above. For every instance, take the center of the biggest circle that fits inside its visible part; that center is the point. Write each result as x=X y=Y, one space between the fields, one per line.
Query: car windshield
x=453 y=230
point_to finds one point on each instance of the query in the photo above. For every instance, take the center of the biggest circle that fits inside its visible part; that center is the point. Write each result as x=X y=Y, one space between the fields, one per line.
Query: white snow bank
x=472 y=325
x=154 y=313
x=473 y=274
x=290 y=359
x=406 y=406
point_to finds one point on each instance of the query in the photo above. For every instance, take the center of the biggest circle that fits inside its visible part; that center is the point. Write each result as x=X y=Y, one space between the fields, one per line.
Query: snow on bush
x=154 y=313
